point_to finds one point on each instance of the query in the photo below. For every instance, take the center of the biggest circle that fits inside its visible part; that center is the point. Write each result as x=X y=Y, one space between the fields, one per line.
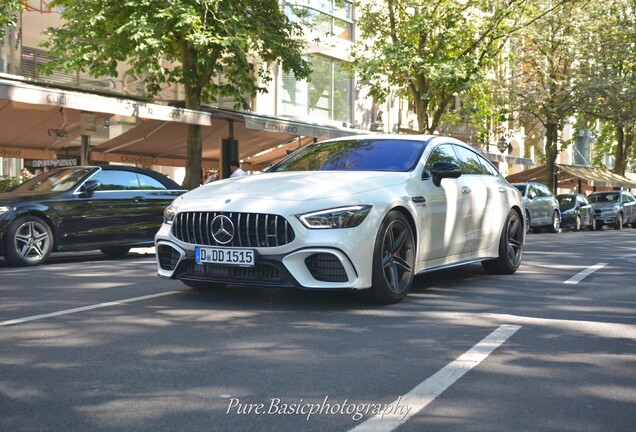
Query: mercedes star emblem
x=222 y=229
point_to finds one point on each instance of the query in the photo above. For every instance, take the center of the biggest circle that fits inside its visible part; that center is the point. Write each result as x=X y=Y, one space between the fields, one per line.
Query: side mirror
x=89 y=187
x=442 y=170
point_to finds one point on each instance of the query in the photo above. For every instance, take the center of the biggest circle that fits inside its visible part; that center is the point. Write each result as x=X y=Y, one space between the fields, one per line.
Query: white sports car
x=365 y=213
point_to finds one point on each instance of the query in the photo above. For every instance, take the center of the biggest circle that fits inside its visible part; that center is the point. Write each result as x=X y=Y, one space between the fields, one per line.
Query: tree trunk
x=551 y=153
x=192 y=101
x=624 y=144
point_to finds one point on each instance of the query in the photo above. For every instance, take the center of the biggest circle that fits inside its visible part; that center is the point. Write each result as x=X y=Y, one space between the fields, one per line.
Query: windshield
x=566 y=202
x=355 y=155
x=604 y=197
x=56 y=180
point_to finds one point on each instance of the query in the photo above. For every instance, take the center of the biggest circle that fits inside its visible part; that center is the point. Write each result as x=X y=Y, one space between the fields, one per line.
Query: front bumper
x=316 y=259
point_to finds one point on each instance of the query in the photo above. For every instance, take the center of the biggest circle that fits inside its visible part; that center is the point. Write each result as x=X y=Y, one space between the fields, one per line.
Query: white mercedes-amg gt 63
x=366 y=213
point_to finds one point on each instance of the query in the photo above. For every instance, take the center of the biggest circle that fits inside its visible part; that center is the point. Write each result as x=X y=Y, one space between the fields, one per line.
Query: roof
x=569 y=176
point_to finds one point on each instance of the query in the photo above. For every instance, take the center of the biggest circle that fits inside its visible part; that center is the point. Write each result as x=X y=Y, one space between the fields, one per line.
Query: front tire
x=393 y=261
x=618 y=225
x=510 y=247
x=555 y=226
x=29 y=241
x=577 y=224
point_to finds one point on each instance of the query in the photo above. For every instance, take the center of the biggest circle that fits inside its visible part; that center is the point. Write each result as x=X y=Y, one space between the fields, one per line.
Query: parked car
x=111 y=208
x=541 y=207
x=364 y=213
x=616 y=208
x=576 y=212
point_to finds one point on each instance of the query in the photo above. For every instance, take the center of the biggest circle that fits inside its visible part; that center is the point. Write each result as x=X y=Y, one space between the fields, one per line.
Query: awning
x=39 y=120
x=575 y=177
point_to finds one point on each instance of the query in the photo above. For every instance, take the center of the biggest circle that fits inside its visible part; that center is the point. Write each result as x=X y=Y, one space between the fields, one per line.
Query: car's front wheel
x=510 y=247
x=577 y=224
x=115 y=251
x=593 y=225
x=556 y=223
x=29 y=241
x=619 y=222
x=393 y=261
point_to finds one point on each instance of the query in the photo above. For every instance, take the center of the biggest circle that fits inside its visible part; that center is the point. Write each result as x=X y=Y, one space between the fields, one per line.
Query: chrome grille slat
x=250 y=229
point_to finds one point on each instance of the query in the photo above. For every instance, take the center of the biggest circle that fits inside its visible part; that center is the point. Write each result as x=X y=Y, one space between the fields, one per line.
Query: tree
x=543 y=81
x=433 y=51
x=187 y=42
x=8 y=9
x=607 y=75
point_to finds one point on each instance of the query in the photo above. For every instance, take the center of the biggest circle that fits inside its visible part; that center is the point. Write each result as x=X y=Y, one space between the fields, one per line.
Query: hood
x=296 y=186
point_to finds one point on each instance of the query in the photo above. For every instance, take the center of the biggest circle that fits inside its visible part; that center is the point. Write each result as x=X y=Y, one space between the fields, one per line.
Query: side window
x=442 y=153
x=532 y=192
x=543 y=191
x=148 y=183
x=116 y=180
x=469 y=161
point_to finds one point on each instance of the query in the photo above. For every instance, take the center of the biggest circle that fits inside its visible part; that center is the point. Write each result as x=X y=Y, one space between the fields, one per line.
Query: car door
x=487 y=208
x=444 y=220
x=629 y=202
x=585 y=210
x=120 y=211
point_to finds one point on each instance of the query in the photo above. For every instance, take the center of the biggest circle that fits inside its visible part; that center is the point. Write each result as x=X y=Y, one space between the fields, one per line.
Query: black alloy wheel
x=510 y=247
x=393 y=261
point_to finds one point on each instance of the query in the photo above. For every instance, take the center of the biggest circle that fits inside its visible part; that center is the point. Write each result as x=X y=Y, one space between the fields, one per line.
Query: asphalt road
x=93 y=344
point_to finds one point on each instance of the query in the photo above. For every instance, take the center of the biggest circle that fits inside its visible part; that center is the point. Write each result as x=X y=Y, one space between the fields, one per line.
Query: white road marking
x=84 y=308
x=428 y=390
x=585 y=273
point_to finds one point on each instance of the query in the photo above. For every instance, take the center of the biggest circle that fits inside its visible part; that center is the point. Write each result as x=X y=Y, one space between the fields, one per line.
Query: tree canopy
x=187 y=42
x=8 y=9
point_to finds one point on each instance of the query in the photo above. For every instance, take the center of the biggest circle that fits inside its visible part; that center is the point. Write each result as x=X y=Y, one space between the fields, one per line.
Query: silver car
x=615 y=208
x=542 y=208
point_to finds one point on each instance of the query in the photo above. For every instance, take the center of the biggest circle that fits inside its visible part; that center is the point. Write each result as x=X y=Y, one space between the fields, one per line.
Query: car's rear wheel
x=202 y=285
x=618 y=225
x=527 y=221
x=115 y=251
x=29 y=241
x=556 y=223
x=510 y=247
x=393 y=261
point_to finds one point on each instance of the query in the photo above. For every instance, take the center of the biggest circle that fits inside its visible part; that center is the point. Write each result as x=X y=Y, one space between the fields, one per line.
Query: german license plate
x=227 y=256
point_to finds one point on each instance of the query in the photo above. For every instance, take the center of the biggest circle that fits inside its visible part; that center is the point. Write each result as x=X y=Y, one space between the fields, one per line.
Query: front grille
x=250 y=229
x=326 y=268
x=597 y=212
x=168 y=257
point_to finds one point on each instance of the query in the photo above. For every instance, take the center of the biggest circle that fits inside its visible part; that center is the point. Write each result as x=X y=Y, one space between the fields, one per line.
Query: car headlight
x=341 y=217
x=171 y=211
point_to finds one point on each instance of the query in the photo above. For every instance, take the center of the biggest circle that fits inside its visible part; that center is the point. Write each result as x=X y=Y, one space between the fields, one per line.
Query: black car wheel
x=29 y=241
x=393 y=261
x=577 y=223
x=593 y=225
x=527 y=221
x=115 y=251
x=556 y=223
x=510 y=247
x=618 y=225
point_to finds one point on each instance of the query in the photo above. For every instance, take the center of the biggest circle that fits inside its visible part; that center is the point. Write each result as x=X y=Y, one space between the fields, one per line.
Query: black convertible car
x=111 y=208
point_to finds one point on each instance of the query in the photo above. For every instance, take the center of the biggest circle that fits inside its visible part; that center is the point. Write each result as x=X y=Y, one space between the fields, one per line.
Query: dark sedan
x=110 y=208
x=576 y=212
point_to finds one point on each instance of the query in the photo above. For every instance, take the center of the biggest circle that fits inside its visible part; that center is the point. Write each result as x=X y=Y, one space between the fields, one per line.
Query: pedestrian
x=235 y=167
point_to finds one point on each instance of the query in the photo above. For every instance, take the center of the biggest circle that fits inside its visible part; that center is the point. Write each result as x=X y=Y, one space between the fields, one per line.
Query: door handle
x=139 y=199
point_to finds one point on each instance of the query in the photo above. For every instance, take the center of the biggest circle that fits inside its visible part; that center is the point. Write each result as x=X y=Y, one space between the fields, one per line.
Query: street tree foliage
x=543 y=79
x=185 y=42
x=433 y=52
x=8 y=10
x=607 y=76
